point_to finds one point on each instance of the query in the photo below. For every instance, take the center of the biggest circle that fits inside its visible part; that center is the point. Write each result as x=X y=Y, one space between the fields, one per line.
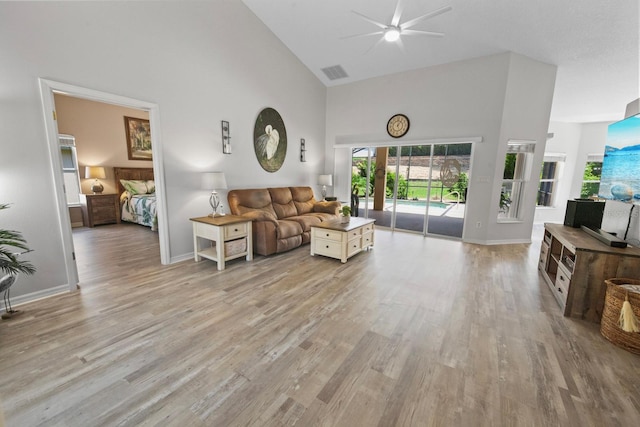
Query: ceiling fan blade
x=366 y=18
x=374 y=45
x=397 y=14
x=401 y=45
x=414 y=21
x=362 y=35
x=423 y=33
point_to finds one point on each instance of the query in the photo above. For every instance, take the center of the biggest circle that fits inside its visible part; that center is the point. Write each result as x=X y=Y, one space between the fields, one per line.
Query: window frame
x=510 y=202
x=70 y=175
x=558 y=159
x=591 y=158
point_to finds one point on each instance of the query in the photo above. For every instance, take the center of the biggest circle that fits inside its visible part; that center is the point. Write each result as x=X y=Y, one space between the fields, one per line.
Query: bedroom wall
x=200 y=62
x=497 y=98
x=100 y=136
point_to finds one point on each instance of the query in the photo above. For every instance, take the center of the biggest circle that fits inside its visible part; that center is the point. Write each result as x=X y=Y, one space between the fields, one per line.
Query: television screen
x=620 y=179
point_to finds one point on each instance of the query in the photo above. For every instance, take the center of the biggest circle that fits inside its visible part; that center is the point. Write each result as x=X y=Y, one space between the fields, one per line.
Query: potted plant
x=346 y=213
x=10 y=265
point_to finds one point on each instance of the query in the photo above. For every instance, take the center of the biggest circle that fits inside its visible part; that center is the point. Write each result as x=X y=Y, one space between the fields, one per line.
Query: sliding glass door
x=415 y=188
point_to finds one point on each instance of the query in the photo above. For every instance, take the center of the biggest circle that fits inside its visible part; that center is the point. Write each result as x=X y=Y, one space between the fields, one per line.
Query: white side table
x=230 y=237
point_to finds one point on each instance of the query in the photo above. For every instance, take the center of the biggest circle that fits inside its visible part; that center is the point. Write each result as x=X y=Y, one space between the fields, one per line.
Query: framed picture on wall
x=138 y=138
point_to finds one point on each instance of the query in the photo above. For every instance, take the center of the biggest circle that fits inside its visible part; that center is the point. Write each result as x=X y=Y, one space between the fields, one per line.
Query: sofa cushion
x=323 y=216
x=282 y=202
x=306 y=221
x=303 y=199
x=245 y=201
x=288 y=229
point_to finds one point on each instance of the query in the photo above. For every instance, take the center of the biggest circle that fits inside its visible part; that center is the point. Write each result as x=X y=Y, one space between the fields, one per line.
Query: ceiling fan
x=392 y=32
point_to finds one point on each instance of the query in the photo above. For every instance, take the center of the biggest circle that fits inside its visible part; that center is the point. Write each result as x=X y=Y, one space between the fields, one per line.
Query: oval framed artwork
x=270 y=140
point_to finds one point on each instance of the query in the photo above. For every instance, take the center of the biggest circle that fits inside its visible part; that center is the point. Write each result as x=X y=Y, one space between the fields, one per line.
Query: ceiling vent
x=335 y=72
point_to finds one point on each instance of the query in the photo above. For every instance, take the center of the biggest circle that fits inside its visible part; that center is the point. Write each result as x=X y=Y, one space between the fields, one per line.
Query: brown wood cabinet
x=575 y=266
x=100 y=209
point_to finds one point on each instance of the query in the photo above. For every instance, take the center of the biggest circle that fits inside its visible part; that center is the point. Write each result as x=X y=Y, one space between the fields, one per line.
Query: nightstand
x=100 y=209
x=229 y=237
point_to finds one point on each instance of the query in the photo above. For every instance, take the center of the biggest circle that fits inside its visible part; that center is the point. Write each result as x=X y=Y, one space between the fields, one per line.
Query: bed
x=136 y=187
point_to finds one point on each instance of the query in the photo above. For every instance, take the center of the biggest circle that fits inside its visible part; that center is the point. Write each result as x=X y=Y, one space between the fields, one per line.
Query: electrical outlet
x=478 y=224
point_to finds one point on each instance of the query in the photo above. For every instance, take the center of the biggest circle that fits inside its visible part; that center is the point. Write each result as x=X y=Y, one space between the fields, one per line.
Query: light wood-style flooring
x=416 y=332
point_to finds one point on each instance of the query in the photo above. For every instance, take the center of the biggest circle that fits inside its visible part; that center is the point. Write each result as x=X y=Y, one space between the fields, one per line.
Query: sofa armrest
x=327 y=207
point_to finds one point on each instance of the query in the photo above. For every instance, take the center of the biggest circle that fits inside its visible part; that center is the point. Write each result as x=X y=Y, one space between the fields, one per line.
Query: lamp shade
x=96 y=172
x=325 y=180
x=214 y=181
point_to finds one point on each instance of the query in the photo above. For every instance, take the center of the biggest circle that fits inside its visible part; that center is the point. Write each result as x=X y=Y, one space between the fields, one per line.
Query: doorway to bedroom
x=100 y=139
x=94 y=148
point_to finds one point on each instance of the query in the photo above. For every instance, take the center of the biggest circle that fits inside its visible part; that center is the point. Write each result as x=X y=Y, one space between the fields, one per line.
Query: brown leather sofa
x=282 y=217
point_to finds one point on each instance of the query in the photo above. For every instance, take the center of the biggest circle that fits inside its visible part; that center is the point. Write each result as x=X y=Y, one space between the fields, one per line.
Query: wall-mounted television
x=620 y=179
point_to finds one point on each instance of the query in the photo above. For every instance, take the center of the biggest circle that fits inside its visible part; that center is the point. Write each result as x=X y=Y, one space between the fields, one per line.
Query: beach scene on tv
x=620 y=179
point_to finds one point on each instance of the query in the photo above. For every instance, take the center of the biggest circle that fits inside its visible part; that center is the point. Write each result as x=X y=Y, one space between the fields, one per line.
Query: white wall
x=498 y=98
x=201 y=62
x=577 y=141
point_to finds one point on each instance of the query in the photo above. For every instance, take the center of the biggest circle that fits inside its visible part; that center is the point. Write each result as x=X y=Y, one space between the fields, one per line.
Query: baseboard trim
x=34 y=296
x=497 y=242
x=181 y=258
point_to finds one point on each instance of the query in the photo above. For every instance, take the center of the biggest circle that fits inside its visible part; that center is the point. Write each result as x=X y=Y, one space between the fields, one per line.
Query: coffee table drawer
x=353 y=246
x=328 y=234
x=327 y=248
x=367 y=228
x=367 y=239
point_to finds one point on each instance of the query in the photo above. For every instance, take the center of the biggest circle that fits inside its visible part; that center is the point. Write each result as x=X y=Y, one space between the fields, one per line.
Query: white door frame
x=47 y=88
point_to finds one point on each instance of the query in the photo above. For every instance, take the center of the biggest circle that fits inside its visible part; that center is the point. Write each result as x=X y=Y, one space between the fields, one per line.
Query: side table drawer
x=102 y=202
x=207 y=231
x=367 y=239
x=235 y=230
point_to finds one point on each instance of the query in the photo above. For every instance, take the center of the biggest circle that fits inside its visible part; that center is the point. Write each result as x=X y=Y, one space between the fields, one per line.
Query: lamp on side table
x=214 y=181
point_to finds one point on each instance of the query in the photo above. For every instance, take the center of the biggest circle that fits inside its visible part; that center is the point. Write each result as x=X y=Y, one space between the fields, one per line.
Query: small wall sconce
x=303 y=150
x=226 y=139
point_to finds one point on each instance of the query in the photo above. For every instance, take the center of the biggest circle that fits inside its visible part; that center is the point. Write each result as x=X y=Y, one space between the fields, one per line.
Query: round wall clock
x=398 y=125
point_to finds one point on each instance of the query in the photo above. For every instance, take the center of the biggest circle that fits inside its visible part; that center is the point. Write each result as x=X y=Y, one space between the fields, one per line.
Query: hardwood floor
x=417 y=331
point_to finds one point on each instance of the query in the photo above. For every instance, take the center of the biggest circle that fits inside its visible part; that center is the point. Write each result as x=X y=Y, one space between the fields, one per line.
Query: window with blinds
x=517 y=167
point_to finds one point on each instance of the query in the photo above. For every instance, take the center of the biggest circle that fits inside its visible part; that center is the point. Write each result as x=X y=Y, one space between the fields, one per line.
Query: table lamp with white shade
x=95 y=172
x=214 y=181
x=325 y=180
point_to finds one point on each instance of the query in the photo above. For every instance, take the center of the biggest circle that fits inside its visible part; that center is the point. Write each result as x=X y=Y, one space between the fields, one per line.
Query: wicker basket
x=611 y=314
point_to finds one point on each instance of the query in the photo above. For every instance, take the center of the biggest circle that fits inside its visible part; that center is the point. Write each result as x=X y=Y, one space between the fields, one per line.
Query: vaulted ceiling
x=594 y=43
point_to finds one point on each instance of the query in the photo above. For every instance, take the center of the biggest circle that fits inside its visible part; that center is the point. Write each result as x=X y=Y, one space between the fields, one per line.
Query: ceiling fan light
x=392 y=34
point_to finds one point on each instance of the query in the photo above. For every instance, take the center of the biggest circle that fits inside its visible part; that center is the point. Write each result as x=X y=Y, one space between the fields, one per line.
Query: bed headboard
x=131 y=173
